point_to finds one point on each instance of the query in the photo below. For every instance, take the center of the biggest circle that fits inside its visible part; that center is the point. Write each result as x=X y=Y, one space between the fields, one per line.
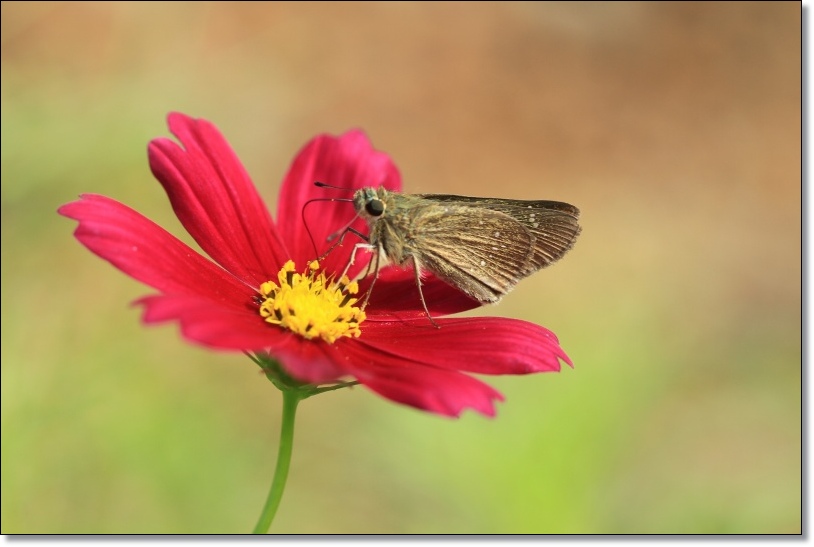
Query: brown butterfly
x=482 y=246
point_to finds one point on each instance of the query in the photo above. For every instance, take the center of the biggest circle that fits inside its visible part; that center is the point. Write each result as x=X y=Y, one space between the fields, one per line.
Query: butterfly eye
x=374 y=207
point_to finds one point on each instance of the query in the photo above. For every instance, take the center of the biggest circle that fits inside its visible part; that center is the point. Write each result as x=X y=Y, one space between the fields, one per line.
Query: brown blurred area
x=683 y=112
x=674 y=126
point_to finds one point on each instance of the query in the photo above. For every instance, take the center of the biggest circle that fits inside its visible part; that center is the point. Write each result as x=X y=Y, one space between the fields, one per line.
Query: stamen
x=310 y=304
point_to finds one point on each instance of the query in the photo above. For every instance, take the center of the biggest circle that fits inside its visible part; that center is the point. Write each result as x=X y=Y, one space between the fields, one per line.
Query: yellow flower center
x=310 y=304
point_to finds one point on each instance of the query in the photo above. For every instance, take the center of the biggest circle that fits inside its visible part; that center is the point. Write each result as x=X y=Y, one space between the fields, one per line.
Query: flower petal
x=215 y=200
x=143 y=250
x=214 y=307
x=348 y=161
x=483 y=345
x=235 y=328
x=441 y=391
x=395 y=296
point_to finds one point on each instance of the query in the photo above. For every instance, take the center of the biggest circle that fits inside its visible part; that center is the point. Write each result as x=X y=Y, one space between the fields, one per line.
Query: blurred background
x=675 y=127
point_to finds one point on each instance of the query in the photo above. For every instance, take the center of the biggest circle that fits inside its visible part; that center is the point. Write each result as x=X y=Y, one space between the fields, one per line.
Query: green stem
x=291 y=397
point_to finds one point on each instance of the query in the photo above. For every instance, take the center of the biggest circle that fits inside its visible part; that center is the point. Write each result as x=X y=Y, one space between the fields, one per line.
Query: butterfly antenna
x=308 y=229
x=339 y=236
x=320 y=184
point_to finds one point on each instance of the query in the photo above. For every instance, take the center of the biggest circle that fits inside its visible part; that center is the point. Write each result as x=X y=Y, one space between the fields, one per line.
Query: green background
x=674 y=127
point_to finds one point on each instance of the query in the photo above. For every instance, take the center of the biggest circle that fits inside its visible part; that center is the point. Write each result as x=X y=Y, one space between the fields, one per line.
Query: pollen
x=311 y=304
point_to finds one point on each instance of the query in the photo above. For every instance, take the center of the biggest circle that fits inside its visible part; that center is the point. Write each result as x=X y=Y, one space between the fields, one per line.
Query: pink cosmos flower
x=248 y=296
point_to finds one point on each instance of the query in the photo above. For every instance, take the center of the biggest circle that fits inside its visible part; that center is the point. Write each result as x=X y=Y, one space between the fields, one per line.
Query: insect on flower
x=260 y=292
x=481 y=246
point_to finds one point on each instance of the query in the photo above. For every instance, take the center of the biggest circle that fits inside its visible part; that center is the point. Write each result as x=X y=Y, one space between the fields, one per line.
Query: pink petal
x=348 y=161
x=441 y=391
x=145 y=251
x=395 y=296
x=483 y=345
x=214 y=308
x=221 y=326
x=215 y=200
x=236 y=328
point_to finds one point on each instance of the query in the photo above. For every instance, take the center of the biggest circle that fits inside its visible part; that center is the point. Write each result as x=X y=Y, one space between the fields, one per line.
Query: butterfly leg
x=341 y=239
x=417 y=271
x=375 y=277
x=365 y=246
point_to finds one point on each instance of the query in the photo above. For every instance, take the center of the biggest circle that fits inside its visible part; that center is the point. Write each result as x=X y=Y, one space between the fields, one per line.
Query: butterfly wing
x=554 y=224
x=483 y=252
